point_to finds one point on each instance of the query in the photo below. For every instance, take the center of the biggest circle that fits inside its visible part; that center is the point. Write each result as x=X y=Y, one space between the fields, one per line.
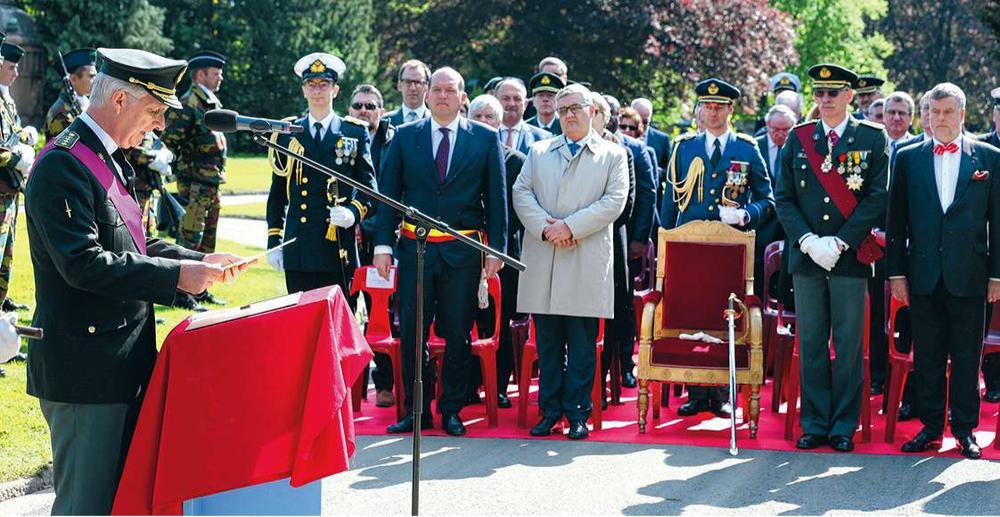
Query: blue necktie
x=573 y=148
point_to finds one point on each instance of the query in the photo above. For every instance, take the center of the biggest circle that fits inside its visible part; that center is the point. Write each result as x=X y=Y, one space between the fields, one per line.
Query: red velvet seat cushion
x=698 y=278
x=696 y=354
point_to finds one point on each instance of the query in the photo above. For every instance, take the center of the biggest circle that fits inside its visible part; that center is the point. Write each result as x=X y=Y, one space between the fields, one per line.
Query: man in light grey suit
x=514 y=132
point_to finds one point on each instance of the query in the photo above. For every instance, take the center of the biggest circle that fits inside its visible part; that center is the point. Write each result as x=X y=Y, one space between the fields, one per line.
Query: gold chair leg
x=754 y=409
x=643 y=403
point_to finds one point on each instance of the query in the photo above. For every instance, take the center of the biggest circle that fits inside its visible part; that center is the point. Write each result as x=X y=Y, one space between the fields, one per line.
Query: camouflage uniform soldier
x=79 y=65
x=16 y=156
x=150 y=166
x=201 y=153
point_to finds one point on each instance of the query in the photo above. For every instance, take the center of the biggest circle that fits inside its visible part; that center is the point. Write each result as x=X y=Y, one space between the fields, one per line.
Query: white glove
x=342 y=217
x=165 y=155
x=10 y=342
x=160 y=166
x=824 y=251
x=277 y=260
x=29 y=135
x=732 y=215
x=27 y=154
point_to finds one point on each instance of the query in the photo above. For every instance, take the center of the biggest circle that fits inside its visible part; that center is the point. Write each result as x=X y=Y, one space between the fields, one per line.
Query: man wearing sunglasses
x=831 y=194
x=306 y=204
x=716 y=159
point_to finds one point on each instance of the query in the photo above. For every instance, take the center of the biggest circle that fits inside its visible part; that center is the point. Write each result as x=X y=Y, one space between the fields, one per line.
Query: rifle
x=169 y=214
x=72 y=103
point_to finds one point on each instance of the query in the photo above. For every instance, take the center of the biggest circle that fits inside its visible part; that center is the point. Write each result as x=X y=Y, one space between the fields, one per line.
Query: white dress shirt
x=710 y=142
x=839 y=129
x=109 y=144
x=417 y=113
x=515 y=138
x=773 y=150
x=946 y=173
x=324 y=124
x=437 y=136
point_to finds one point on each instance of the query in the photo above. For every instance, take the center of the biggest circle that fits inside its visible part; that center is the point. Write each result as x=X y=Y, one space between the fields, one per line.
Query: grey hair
x=451 y=71
x=486 y=101
x=875 y=104
x=105 y=86
x=945 y=90
x=512 y=80
x=600 y=104
x=644 y=103
x=901 y=97
x=791 y=99
x=576 y=88
x=781 y=109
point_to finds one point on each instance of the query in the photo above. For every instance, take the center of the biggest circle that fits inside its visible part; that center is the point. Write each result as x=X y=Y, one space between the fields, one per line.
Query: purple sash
x=119 y=196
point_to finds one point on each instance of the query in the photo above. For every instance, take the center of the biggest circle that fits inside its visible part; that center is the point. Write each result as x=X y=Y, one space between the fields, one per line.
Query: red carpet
x=703 y=430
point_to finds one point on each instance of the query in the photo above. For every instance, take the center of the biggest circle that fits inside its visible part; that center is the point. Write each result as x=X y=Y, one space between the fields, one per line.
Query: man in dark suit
x=488 y=110
x=993 y=137
x=452 y=169
x=828 y=212
x=306 y=204
x=991 y=363
x=544 y=86
x=658 y=140
x=412 y=84
x=944 y=261
x=515 y=133
x=97 y=276
x=778 y=121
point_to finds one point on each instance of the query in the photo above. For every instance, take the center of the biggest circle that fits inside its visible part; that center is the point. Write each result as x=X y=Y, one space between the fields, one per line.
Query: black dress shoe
x=405 y=425
x=692 y=407
x=922 y=441
x=10 y=305
x=578 y=429
x=720 y=408
x=208 y=297
x=810 y=441
x=878 y=388
x=842 y=443
x=503 y=401
x=905 y=412
x=628 y=380
x=969 y=447
x=187 y=302
x=992 y=395
x=19 y=357
x=452 y=424
x=544 y=426
x=472 y=398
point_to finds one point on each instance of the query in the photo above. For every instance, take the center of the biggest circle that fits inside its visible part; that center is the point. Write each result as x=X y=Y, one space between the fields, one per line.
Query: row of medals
x=347 y=149
x=736 y=180
x=850 y=164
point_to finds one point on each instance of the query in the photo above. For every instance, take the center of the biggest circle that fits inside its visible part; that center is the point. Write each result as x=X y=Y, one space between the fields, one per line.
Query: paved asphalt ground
x=500 y=477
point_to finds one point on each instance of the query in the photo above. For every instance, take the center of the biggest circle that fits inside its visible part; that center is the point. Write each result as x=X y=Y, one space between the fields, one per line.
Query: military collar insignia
x=67 y=139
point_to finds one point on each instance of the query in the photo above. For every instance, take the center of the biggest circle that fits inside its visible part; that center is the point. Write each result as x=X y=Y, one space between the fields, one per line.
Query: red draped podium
x=244 y=402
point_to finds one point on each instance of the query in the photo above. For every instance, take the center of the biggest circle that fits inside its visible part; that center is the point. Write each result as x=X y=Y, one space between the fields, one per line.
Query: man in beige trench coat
x=568 y=195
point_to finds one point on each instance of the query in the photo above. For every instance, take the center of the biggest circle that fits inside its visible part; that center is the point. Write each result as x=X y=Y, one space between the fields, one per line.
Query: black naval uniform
x=320 y=256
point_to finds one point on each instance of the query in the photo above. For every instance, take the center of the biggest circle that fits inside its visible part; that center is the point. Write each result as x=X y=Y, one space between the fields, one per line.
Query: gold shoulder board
x=67 y=139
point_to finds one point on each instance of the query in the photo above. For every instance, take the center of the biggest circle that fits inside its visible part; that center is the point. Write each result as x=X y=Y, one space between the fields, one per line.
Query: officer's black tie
x=318 y=133
x=716 y=154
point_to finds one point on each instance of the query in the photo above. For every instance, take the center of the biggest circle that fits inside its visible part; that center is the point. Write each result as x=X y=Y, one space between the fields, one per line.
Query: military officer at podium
x=717 y=175
x=97 y=276
x=305 y=204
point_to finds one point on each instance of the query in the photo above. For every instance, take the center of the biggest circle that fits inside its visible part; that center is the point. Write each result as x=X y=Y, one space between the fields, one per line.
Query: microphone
x=228 y=121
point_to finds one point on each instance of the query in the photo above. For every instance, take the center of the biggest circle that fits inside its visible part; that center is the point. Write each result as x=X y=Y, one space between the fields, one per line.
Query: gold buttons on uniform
x=305 y=193
x=826 y=217
x=91 y=329
x=711 y=208
x=826 y=200
x=711 y=191
x=714 y=176
x=305 y=180
x=302 y=219
x=303 y=206
x=802 y=183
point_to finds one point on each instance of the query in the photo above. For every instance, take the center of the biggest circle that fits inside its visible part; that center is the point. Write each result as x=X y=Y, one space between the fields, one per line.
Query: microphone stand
x=424 y=224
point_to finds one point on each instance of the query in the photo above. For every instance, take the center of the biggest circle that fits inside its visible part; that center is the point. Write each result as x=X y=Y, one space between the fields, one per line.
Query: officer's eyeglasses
x=573 y=109
x=820 y=93
x=898 y=113
x=410 y=83
x=370 y=106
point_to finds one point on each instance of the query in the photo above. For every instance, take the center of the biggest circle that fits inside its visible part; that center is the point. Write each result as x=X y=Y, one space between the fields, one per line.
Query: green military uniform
x=11 y=179
x=201 y=161
x=58 y=118
x=91 y=368
x=140 y=158
x=551 y=83
x=299 y=203
x=831 y=301
x=62 y=113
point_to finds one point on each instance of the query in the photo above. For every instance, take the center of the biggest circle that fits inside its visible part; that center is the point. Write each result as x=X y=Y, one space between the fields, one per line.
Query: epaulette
x=748 y=138
x=66 y=139
x=293 y=118
x=685 y=136
x=807 y=123
x=355 y=121
x=873 y=125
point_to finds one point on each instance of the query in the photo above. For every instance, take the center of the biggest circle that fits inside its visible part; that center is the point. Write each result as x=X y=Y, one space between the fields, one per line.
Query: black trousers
x=566 y=362
x=619 y=332
x=947 y=327
x=484 y=323
x=450 y=302
x=991 y=363
x=878 y=347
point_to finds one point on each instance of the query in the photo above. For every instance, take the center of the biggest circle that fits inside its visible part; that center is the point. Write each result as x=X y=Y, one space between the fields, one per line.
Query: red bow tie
x=945 y=148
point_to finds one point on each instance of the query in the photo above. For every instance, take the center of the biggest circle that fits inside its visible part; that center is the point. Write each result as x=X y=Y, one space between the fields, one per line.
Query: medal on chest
x=347 y=150
x=737 y=177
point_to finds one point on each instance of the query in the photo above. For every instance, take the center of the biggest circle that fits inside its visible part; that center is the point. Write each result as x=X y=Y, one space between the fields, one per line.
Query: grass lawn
x=24 y=437
x=245 y=174
x=248 y=210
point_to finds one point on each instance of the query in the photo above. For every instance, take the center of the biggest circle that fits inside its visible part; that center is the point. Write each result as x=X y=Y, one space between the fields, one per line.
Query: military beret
x=156 y=74
x=546 y=82
x=492 y=83
x=716 y=90
x=832 y=77
x=320 y=65
x=868 y=84
x=11 y=52
x=785 y=81
x=995 y=93
x=206 y=59
x=79 y=57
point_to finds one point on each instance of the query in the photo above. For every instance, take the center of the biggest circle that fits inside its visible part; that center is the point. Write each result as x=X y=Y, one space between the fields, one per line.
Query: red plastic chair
x=483 y=348
x=378 y=333
x=772 y=266
x=791 y=415
x=900 y=365
x=528 y=357
x=991 y=345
